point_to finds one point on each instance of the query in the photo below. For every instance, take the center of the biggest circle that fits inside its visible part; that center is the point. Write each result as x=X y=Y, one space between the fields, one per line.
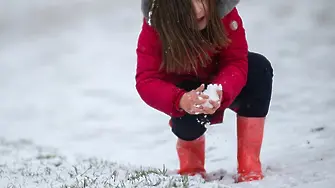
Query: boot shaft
x=250 y=138
x=191 y=156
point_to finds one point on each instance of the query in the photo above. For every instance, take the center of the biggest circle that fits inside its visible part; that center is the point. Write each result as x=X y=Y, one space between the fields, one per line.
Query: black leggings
x=253 y=101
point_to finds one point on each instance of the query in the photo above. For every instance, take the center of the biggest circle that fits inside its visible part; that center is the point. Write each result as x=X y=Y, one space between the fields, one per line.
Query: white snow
x=212 y=92
x=67 y=82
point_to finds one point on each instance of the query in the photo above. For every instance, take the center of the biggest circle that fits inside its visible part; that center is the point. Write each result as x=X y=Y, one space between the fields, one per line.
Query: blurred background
x=67 y=78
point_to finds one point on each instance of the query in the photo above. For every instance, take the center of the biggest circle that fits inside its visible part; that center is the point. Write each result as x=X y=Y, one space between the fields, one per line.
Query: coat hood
x=224 y=6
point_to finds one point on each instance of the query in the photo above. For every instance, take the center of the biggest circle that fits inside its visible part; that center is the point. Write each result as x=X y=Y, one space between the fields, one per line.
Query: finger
x=219 y=92
x=199 y=101
x=207 y=110
x=215 y=104
x=203 y=96
x=198 y=106
x=196 y=111
x=201 y=88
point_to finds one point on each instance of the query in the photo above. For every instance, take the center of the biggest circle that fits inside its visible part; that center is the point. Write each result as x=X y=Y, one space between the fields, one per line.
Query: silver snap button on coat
x=234 y=25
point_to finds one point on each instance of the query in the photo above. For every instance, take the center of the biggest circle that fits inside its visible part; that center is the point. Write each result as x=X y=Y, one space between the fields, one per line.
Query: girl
x=184 y=45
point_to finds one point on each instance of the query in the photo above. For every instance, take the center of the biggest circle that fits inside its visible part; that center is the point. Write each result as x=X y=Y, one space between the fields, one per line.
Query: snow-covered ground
x=67 y=82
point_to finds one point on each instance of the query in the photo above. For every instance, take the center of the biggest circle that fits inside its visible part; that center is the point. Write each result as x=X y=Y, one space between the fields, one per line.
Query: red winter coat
x=158 y=89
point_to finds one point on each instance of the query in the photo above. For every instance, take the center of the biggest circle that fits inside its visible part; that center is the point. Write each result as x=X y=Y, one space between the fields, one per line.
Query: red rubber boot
x=250 y=137
x=192 y=156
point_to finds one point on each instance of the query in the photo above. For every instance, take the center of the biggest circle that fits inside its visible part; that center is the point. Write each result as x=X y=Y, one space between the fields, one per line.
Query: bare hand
x=191 y=102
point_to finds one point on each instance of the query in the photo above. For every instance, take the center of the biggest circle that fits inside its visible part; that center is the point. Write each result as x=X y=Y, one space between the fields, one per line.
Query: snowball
x=211 y=92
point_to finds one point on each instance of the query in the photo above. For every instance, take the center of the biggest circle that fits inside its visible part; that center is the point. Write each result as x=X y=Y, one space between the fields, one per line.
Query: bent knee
x=256 y=96
x=260 y=64
x=189 y=127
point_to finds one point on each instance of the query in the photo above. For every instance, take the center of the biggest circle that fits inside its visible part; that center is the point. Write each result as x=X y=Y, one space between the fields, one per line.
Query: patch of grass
x=46 y=156
x=318 y=129
x=38 y=167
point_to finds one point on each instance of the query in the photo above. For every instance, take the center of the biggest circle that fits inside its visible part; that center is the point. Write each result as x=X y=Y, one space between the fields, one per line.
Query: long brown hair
x=184 y=46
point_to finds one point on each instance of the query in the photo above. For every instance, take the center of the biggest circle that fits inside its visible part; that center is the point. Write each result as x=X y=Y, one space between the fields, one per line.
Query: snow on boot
x=250 y=137
x=192 y=156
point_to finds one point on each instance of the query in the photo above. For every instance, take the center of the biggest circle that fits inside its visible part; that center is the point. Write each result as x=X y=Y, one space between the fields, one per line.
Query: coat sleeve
x=233 y=65
x=150 y=84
